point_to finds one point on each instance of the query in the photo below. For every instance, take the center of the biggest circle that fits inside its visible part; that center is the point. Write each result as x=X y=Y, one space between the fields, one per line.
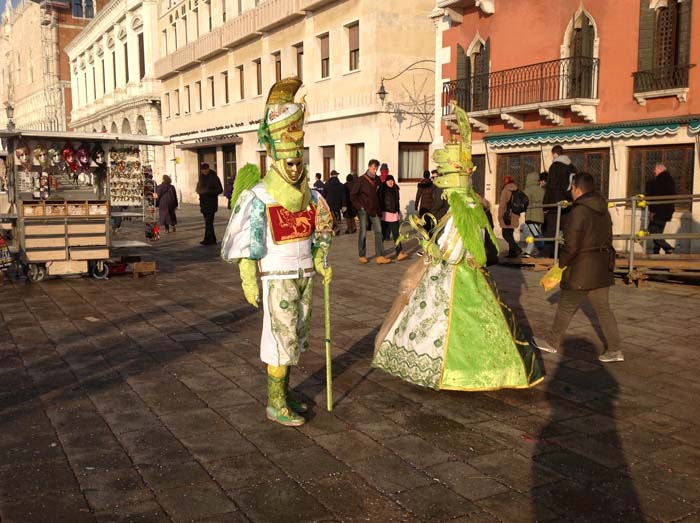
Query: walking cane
x=325 y=243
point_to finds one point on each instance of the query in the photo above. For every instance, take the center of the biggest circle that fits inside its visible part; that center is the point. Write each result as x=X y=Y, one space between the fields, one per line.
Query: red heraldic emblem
x=290 y=226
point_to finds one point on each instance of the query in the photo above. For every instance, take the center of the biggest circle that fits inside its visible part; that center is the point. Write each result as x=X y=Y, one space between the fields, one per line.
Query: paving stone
x=58 y=507
x=350 y=499
x=163 y=476
x=143 y=512
x=350 y=446
x=465 y=480
x=308 y=463
x=189 y=422
x=31 y=479
x=435 y=503
x=105 y=499
x=237 y=472
x=417 y=451
x=154 y=446
x=274 y=502
x=195 y=502
x=516 y=508
x=211 y=446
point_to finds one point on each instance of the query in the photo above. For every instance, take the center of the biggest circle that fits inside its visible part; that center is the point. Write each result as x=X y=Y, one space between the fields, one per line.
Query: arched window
x=666 y=52
x=579 y=66
x=114 y=129
x=141 y=125
x=126 y=127
x=480 y=77
x=464 y=79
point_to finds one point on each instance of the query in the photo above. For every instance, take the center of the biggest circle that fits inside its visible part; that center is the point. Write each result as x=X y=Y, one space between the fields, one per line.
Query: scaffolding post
x=630 y=271
x=557 y=233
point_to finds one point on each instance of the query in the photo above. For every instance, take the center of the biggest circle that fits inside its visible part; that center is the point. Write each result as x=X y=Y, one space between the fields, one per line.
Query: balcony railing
x=564 y=79
x=673 y=77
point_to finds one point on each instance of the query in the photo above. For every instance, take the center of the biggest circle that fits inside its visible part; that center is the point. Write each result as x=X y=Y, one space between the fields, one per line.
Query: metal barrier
x=638 y=202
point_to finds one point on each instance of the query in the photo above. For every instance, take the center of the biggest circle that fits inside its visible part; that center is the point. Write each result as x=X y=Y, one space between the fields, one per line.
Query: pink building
x=614 y=83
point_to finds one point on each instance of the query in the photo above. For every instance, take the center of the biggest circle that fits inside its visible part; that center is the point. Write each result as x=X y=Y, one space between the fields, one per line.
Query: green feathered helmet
x=281 y=129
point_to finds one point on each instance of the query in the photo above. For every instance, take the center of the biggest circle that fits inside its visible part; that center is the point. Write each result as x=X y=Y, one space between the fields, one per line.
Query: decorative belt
x=299 y=273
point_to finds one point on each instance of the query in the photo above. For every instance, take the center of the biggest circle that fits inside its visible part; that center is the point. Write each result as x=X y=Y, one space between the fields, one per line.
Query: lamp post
x=382 y=92
x=10 y=112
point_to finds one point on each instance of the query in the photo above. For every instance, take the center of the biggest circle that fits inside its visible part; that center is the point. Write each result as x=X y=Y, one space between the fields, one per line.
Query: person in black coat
x=335 y=197
x=391 y=211
x=558 y=188
x=209 y=188
x=661 y=184
x=167 y=203
x=350 y=212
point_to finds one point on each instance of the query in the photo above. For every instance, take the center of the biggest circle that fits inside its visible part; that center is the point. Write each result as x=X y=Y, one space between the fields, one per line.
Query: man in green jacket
x=589 y=260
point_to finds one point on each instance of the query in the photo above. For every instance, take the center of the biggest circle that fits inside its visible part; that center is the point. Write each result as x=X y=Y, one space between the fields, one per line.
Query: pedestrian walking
x=365 y=198
x=424 y=199
x=506 y=219
x=556 y=190
x=319 y=185
x=166 y=201
x=390 y=205
x=350 y=212
x=335 y=198
x=589 y=260
x=534 y=216
x=660 y=213
x=383 y=173
x=209 y=188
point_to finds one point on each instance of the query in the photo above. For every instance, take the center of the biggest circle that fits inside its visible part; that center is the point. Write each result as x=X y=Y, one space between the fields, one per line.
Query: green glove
x=326 y=272
x=249 y=277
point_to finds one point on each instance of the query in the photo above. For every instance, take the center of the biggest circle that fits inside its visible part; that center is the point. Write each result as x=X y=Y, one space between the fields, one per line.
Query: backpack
x=518 y=202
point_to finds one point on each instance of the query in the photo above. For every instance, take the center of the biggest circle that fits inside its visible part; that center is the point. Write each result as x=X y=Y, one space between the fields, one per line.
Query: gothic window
x=464 y=73
x=480 y=78
x=666 y=54
x=579 y=66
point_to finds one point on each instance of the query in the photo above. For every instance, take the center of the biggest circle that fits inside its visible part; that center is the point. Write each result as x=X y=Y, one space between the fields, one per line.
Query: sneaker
x=669 y=251
x=610 y=356
x=544 y=345
x=402 y=256
x=381 y=260
x=363 y=260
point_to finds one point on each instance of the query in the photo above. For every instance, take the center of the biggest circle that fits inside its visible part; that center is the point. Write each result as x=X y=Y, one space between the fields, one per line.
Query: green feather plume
x=248 y=176
x=469 y=221
x=264 y=138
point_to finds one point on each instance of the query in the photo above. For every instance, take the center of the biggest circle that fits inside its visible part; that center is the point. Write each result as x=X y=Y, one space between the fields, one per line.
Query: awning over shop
x=582 y=134
x=694 y=127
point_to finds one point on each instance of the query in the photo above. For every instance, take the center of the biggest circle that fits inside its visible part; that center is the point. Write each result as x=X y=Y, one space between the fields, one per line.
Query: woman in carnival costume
x=275 y=231
x=449 y=328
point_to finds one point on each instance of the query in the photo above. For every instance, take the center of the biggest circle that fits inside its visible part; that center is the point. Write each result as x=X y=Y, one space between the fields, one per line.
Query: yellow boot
x=277 y=408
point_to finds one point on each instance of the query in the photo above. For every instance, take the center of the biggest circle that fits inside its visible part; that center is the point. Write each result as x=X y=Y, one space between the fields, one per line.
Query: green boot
x=277 y=408
x=296 y=406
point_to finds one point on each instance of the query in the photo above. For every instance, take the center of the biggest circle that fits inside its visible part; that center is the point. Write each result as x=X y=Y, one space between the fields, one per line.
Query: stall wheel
x=36 y=272
x=100 y=270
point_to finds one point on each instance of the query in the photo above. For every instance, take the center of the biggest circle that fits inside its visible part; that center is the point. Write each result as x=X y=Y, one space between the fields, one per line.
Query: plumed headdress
x=281 y=129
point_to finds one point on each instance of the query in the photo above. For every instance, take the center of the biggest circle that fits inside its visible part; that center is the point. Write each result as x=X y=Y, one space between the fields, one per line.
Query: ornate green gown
x=452 y=330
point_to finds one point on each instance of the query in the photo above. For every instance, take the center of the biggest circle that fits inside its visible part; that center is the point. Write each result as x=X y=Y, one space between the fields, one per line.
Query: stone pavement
x=143 y=400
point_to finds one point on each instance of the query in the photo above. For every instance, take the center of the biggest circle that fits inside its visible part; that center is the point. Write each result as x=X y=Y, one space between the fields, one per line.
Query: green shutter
x=647 y=30
x=684 y=22
x=461 y=63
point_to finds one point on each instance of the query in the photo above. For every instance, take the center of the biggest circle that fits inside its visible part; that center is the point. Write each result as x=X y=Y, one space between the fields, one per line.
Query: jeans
x=209 y=234
x=657 y=227
x=393 y=233
x=376 y=229
x=534 y=230
x=569 y=301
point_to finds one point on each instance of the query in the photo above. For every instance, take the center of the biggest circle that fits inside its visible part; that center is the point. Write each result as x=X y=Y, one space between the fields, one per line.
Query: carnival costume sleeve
x=244 y=241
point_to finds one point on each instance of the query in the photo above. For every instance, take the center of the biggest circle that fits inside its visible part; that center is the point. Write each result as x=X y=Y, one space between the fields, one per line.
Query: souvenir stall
x=60 y=192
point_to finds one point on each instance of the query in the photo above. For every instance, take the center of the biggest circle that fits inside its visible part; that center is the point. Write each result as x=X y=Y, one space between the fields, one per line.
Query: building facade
x=220 y=57
x=34 y=68
x=614 y=83
x=112 y=75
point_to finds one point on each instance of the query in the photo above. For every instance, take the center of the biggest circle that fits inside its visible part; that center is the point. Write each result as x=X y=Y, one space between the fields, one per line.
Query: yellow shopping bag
x=552 y=277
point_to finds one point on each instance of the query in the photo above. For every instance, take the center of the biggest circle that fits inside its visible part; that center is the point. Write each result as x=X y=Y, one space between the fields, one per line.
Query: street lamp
x=10 y=112
x=382 y=92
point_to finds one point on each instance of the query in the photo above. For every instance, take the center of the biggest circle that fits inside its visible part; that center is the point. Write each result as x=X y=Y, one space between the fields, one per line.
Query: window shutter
x=354 y=36
x=461 y=63
x=324 y=47
x=647 y=30
x=684 y=32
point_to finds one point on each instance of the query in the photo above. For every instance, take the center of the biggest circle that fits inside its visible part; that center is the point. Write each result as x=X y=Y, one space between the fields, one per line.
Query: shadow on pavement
x=596 y=485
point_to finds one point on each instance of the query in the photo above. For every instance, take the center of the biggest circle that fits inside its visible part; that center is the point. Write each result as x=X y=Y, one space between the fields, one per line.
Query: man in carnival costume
x=280 y=229
x=448 y=328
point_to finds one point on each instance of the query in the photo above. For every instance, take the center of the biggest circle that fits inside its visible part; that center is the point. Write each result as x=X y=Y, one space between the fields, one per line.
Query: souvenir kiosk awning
x=588 y=133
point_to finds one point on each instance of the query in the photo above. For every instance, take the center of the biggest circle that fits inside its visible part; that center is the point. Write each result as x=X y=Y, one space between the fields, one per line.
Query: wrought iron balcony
x=673 y=77
x=565 y=79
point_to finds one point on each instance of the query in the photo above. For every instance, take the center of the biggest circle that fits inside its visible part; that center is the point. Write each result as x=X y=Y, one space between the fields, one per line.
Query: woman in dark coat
x=390 y=207
x=167 y=203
